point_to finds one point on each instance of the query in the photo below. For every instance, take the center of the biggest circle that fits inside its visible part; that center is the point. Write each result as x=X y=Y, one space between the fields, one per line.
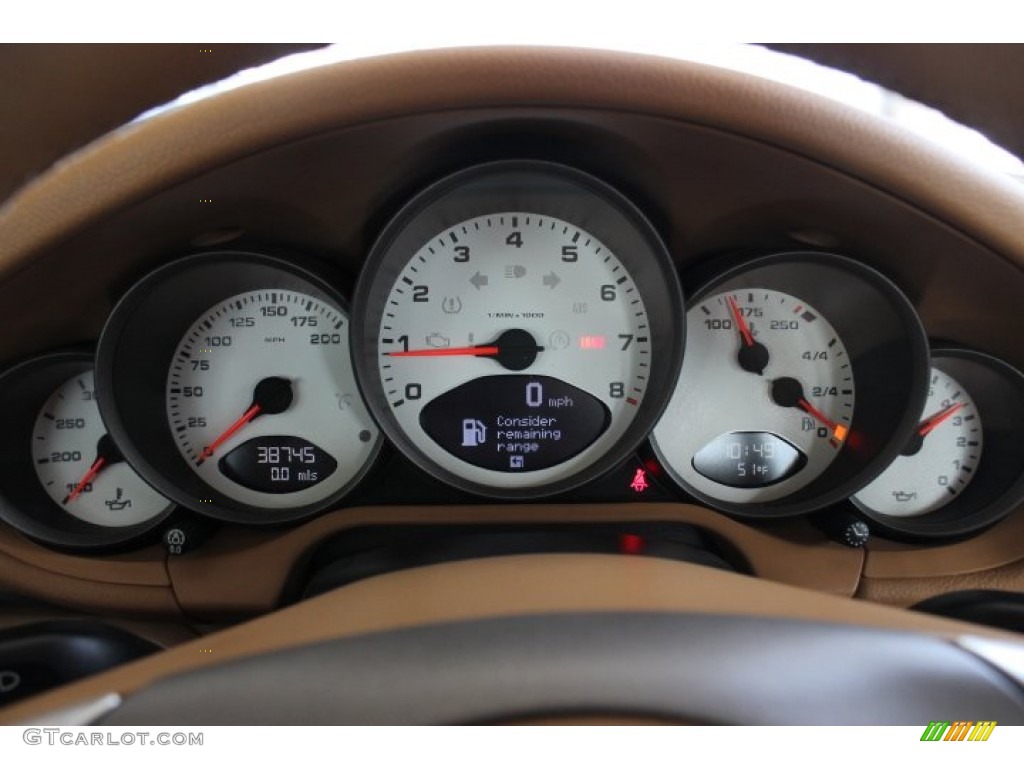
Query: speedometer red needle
x=748 y=337
x=449 y=352
x=87 y=478
x=246 y=417
x=931 y=423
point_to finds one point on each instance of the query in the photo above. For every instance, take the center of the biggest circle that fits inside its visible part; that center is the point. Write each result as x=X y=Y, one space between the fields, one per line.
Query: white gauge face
x=764 y=400
x=78 y=467
x=263 y=404
x=514 y=350
x=938 y=462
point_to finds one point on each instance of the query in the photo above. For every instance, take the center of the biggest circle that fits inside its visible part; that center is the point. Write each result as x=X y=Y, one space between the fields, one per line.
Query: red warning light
x=631 y=544
x=592 y=342
x=640 y=484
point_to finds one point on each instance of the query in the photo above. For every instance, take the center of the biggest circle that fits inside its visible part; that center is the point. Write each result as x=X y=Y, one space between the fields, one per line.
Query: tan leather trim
x=502 y=586
x=144 y=567
x=969 y=82
x=58 y=97
x=86 y=594
x=141 y=159
x=1001 y=545
x=165 y=634
x=908 y=591
x=245 y=570
x=133 y=583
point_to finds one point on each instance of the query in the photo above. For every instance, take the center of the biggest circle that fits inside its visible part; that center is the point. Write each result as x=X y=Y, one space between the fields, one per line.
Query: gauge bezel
x=997 y=487
x=135 y=352
x=888 y=349
x=24 y=504
x=547 y=189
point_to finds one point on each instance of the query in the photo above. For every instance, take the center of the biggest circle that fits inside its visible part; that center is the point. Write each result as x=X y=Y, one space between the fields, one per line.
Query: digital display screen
x=277 y=464
x=749 y=459
x=515 y=423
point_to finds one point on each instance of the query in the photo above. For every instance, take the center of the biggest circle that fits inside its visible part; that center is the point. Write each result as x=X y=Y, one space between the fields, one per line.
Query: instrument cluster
x=518 y=331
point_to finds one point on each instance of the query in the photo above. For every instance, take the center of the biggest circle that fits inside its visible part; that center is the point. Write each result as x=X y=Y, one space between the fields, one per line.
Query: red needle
x=87 y=478
x=833 y=427
x=449 y=352
x=748 y=337
x=929 y=424
x=246 y=417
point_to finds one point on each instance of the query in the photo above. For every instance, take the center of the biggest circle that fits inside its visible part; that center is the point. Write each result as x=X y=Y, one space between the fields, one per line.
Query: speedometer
x=248 y=390
x=518 y=328
x=227 y=381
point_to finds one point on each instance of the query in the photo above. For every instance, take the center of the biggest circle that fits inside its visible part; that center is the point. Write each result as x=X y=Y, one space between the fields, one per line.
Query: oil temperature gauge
x=80 y=467
x=63 y=480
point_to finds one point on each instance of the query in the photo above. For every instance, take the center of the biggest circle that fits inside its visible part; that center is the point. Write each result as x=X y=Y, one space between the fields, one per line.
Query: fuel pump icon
x=474 y=433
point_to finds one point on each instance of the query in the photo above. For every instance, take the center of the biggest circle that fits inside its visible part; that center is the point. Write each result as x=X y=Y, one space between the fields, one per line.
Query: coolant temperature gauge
x=79 y=466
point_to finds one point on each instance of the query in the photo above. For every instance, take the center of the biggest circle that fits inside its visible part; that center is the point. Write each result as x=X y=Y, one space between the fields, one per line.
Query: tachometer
x=517 y=328
x=227 y=380
x=799 y=373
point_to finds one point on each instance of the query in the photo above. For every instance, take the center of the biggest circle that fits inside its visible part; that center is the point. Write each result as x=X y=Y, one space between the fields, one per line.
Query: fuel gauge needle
x=789 y=393
x=271 y=395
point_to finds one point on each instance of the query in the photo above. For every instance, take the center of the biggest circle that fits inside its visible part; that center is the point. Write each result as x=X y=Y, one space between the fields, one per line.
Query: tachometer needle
x=753 y=356
x=271 y=395
x=481 y=351
x=514 y=349
x=933 y=421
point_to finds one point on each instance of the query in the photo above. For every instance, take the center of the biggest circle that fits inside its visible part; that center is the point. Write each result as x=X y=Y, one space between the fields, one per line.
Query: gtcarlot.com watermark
x=56 y=737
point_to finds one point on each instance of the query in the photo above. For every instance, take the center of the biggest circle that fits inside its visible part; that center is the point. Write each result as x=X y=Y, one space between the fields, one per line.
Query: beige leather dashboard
x=318 y=160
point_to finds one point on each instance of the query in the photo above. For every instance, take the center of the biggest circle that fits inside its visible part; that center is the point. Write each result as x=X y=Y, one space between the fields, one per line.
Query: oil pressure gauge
x=962 y=467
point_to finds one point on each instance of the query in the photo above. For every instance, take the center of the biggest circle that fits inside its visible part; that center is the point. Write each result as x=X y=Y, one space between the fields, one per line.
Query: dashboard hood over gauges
x=963 y=82
x=721 y=165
